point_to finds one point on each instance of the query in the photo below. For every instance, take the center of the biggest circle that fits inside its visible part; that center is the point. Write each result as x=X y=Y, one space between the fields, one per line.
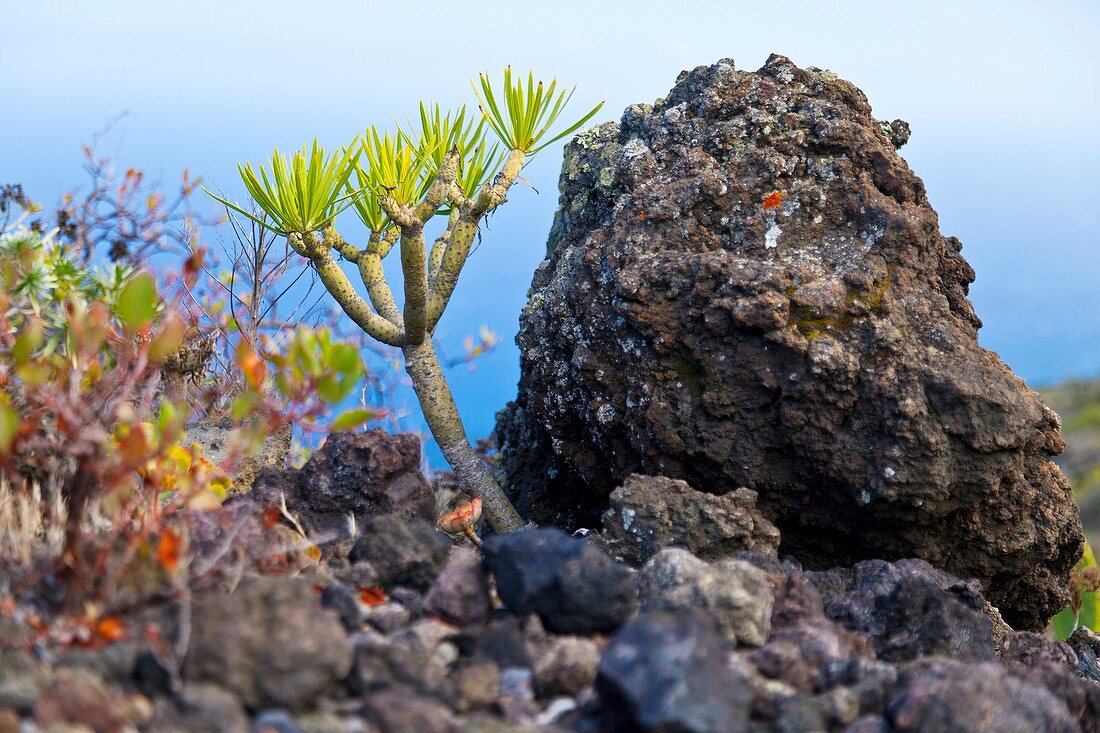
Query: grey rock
x=668 y=672
x=404 y=711
x=476 y=685
x=565 y=665
x=402 y=552
x=275 y=721
x=22 y=679
x=460 y=595
x=734 y=593
x=1086 y=646
x=746 y=285
x=648 y=513
x=270 y=642
x=799 y=653
x=201 y=708
x=573 y=586
x=947 y=696
x=912 y=610
x=1031 y=649
x=353 y=475
x=417 y=657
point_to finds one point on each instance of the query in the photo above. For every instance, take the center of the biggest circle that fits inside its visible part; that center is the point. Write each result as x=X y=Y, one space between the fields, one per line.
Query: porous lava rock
x=570 y=583
x=668 y=672
x=649 y=513
x=745 y=285
x=353 y=475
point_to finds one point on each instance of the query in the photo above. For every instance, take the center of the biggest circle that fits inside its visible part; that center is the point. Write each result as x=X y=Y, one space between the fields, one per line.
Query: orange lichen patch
x=773 y=200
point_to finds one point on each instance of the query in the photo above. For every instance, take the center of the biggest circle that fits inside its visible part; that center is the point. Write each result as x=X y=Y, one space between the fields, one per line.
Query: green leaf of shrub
x=137 y=302
x=353 y=419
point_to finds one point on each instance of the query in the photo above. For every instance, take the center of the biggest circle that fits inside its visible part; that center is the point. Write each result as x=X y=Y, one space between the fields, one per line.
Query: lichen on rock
x=746 y=286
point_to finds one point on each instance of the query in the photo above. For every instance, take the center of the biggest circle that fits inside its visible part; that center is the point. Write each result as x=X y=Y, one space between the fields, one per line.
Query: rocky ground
x=677 y=614
x=398 y=630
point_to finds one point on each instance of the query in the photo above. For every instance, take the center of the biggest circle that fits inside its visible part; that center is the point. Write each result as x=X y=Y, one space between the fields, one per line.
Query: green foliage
x=137 y=302
x=42 y=275
x=398 y=168
x=1084 y=609
x=306 y=192
x=526 y=114
x=302 y=193
x=440 y=133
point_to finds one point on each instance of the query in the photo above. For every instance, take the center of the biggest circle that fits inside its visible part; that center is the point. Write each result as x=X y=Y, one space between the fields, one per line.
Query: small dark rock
x=345 y=602
x=911 y=610
x=403 y=552
x=353 y=474
x=796 y=598
x=798 y=653
x=668 y=672
x=413 y=658
x=573 y=586
x=460 y=595
x=1031 y=649
x=947 y=696
x=502 y=641
x=1086 y=645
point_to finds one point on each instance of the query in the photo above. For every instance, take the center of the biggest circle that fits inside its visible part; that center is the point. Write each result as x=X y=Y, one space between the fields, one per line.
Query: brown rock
x=746 y=285
x=353 y=475
x=649 y=513
x=270 y=642
x=78 y=696
x=460 y=595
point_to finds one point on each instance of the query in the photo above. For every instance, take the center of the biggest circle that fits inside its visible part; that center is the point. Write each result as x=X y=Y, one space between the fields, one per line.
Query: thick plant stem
x=443 y=420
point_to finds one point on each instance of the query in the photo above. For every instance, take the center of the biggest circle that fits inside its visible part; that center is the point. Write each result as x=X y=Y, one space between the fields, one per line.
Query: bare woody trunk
x=443 y=420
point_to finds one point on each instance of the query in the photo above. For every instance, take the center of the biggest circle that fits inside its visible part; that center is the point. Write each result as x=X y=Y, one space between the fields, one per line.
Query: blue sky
x=1003 y=98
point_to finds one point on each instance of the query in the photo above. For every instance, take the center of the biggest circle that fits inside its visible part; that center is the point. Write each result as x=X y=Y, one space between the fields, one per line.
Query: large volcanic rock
x=746 y=286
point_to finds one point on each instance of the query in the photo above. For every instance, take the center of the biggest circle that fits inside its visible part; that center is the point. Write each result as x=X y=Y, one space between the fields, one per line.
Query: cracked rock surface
x=746 y=286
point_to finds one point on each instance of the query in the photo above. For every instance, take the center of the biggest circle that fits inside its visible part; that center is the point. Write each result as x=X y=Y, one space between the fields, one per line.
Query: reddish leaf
x=372 y=596
x=168 y=550
x=110 y=629
x=272 y=516
x=252 y=365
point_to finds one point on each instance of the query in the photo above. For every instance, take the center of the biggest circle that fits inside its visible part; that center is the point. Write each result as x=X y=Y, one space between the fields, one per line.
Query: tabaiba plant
x=79 y=370
x=396 y=182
